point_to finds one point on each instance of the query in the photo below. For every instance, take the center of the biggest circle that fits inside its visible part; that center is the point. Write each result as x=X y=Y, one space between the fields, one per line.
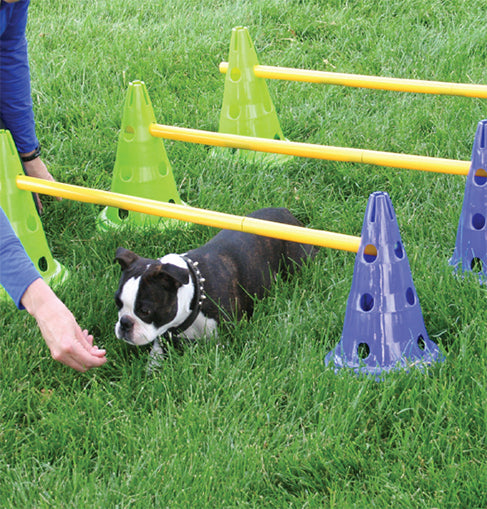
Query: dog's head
x=152 y=296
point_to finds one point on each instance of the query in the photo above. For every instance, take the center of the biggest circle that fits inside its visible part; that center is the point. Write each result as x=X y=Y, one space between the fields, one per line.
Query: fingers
x=77 y=351
x=86 y=341
x=37 y=168
x=39 y=205
x=88 y=336
x=77 y=356
x=85 y=353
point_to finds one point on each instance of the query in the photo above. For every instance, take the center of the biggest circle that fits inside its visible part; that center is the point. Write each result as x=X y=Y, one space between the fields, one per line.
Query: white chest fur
x=202 y=327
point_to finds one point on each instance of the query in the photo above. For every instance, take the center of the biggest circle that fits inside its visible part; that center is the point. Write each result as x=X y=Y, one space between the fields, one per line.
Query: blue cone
x=470 y=253
x=384 y=327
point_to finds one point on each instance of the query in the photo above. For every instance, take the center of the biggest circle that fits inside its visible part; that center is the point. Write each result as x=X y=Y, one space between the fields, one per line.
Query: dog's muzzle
x=125 y=329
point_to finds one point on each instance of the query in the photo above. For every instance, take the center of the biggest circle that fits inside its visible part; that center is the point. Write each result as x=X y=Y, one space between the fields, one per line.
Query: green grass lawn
x=252 y=419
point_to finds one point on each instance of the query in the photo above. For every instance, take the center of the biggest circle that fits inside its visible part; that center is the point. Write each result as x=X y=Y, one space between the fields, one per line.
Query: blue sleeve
x=17 y=271
x=15 y=93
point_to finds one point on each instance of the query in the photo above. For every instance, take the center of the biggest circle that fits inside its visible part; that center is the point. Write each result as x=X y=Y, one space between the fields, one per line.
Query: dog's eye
x=118 y=302
x=144 y=312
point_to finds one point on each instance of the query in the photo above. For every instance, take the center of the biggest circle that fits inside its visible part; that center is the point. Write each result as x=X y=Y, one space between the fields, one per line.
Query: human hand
x=37 y=168
x=66 y=341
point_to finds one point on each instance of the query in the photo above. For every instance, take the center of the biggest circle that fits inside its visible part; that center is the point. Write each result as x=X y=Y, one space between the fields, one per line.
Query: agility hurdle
x=309 y=150
x=379 y=250
x=364 y=81
x=247 y=107
x=192 y=214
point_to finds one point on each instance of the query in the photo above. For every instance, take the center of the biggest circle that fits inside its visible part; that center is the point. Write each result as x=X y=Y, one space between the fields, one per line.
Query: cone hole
x=171 y=201
x=277 y=136
x=476 y=265
x=129 y=133
x=235 y=74
x=366 y=302
x=478 y=221
x=421 y=342
x=411 y=299
x=398 y=251
x=123 y=214
x=42 y=264
x=234 y=111
x=372 y=211
x=126 y=173
x=363 y=351
x=163 y=169
x=370 y=253
x=480 y=177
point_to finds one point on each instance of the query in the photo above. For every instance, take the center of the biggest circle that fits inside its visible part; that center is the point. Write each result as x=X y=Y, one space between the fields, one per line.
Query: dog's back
x=244 y=265
x=295 y=253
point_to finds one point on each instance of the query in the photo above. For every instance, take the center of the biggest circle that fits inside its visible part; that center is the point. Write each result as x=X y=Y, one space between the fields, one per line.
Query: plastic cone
x=21 y=211
x=247 y=108
x=470 y=254
x=141 y=167
x=384 y=327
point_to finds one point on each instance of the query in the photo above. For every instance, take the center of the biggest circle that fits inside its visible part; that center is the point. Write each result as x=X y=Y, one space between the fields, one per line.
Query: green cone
x=142 y=167
x=247 y=108
x=20 y=209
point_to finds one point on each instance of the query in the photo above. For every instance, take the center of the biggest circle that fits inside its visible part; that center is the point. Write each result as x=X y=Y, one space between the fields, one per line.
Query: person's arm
x=16 y=112
x=17 y=271
x=15 y=97
x=65 y=339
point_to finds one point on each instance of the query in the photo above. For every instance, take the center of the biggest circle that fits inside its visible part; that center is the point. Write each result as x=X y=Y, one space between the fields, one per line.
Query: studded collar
x=197 y=299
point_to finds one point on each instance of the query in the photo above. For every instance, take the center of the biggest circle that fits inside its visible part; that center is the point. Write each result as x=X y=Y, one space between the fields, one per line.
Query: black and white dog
x=188 y=295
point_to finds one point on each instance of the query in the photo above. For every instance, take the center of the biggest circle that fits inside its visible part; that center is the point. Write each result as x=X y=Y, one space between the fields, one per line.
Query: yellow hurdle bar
x=192 y=214
x=362 y=81
x=354 y=155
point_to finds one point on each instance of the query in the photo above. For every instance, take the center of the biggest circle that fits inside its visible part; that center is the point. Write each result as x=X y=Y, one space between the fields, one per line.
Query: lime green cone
x=247 y=108
x=20 y=209
x=141 y=167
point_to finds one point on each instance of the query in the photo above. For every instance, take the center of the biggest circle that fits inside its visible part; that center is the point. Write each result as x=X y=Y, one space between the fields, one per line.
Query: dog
x=188 y=295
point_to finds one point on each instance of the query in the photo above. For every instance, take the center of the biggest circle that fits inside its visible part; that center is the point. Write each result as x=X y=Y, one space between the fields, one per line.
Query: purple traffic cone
x=384 y=327
x=470 y=254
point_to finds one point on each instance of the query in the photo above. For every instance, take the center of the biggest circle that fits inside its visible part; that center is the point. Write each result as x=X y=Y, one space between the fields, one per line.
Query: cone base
x=250 y=156
x=462 y=273
x=104 y=224
x=58 y=275
x=336 y=359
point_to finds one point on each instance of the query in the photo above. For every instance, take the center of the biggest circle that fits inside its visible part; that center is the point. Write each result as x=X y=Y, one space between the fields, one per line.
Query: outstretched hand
x=66 y=341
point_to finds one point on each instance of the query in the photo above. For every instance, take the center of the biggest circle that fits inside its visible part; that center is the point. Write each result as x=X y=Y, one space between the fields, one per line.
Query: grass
x=252 y=419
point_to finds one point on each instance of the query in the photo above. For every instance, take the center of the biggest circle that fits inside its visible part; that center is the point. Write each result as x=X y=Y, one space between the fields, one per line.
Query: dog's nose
x=126 y=324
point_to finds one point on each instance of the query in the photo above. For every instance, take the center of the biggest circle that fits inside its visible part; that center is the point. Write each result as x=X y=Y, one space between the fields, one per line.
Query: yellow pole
x=354 y=155
x=375 y=82
x=191 y=214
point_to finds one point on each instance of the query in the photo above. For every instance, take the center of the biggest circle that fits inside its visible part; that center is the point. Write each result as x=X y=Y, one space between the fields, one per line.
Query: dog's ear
x=179 y=274
x=125 y=257
x=170 y=275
